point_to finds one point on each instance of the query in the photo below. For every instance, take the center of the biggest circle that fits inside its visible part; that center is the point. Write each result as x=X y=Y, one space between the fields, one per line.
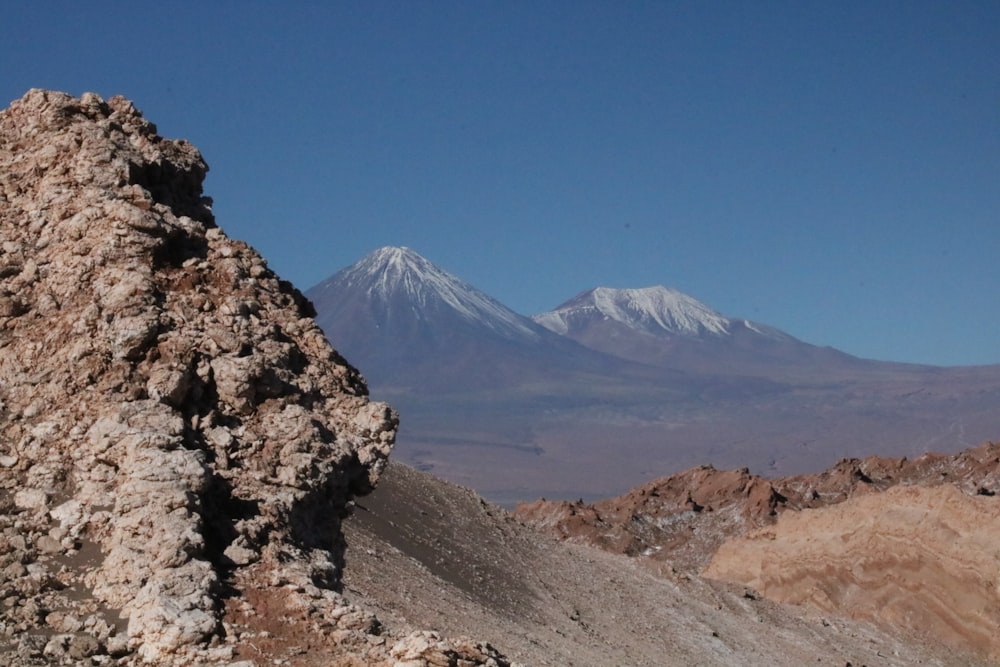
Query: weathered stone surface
x=907 y=543
x=679 y=521
x=426 y=649
x=172 y=421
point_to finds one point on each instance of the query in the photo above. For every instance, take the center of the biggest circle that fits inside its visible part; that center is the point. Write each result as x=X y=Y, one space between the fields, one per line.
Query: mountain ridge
x=873 y=538
x=398 y=292
x=558 y=408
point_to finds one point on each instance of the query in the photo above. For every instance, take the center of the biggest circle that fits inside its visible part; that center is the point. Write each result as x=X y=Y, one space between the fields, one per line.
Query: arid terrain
x=191 y=475
x=620 y=386
x=908 y=544
x=429 y=554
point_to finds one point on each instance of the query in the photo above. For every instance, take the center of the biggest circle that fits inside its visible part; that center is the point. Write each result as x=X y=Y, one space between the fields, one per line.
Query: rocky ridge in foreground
x=177 y=438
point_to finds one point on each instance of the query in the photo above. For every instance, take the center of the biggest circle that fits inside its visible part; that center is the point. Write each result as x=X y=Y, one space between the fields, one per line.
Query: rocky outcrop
x=674 y=521
x=923 y=559
x=905 y=543
x=679 y=521
x=174 y=428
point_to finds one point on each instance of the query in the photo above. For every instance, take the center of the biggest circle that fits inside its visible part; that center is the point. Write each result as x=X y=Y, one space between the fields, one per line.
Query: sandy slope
x=422 y=553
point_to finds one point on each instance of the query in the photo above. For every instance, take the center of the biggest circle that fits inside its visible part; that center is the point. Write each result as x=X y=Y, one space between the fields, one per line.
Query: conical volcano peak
x=392 y=268
x=399 y=283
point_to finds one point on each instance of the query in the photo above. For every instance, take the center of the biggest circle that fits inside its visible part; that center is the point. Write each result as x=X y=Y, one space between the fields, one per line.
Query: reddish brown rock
x=905 y=543
x=679 y=521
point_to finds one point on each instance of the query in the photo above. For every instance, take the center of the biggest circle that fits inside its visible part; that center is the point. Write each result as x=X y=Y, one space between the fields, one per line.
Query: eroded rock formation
x=924 y=559
x=175 y=431
x=682 y=519
x=907 y=543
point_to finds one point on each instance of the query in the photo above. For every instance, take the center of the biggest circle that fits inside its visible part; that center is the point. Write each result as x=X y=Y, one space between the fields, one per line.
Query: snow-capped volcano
x=395 y=275
x=488 y=395
x=655 y=310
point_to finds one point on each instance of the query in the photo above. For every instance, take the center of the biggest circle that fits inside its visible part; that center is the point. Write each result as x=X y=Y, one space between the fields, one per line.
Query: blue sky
x=829 y=168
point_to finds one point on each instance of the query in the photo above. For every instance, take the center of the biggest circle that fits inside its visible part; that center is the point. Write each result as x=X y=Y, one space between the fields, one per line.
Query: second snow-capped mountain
x=659 y=325
x=655 y=310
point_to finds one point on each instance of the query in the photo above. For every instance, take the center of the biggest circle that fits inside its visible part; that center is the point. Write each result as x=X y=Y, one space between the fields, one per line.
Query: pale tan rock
x=31 y=499
x=46 y=544
x=924 y=559
x=427 y=649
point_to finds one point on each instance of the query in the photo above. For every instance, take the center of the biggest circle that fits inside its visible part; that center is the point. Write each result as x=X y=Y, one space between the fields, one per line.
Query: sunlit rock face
x=173 y=424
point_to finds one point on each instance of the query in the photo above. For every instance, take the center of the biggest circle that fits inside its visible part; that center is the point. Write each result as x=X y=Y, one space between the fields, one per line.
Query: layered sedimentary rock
x=924 y=559
x=174 y=428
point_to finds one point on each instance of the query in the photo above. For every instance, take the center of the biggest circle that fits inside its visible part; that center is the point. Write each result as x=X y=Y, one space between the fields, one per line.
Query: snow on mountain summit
x=654 y=310
x=398 y=275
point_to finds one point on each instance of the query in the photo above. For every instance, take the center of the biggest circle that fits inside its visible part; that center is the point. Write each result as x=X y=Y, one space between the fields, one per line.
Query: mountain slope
x=431 y=554
x=659 y=325
x=906 y=543
x=912 y=557
x=493 y=400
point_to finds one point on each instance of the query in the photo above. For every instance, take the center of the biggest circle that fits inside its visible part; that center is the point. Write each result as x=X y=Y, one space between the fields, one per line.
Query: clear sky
x=828 y=168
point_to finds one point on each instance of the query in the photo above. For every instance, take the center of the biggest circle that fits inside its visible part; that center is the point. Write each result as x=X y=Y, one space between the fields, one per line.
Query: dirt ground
x=426 y=554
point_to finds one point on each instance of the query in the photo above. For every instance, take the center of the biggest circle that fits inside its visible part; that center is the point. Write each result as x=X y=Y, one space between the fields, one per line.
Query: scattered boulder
x=423 y=648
